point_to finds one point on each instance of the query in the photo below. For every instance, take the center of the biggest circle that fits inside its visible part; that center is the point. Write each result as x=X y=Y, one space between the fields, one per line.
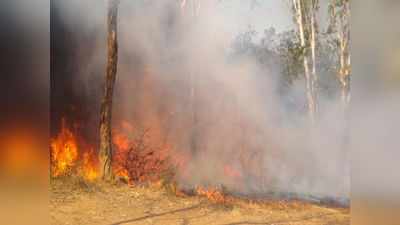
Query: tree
x=191 y=21
x=279 y=54
x=105 y=149
x=304 y=16
x=312 y=8
x=339 y=15
x=339 y=11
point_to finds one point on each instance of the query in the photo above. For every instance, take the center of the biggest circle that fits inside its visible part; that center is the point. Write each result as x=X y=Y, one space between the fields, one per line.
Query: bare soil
x=81 y=202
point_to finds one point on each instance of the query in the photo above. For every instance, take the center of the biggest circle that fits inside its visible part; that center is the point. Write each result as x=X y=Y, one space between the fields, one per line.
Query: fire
x=216 y=196
x=139 y=157
x=229 y=172
x=279 y=204
x=253 y=203
x=90 y=172
x=142 y=152
x=65 y=152
x=177 y=191
x=155 y=184
x=134 y=158
x=126 y=125
x=213 y=195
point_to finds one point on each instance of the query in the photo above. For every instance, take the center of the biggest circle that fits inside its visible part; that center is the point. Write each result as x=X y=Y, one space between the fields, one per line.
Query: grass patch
x=67 y=183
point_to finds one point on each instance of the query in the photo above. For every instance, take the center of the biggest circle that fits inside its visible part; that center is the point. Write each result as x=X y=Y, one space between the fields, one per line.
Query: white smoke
x=236 y=101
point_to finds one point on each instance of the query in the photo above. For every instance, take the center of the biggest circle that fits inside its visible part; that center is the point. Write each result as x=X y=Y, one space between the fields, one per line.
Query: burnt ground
x=286 y=197
x=80 y=202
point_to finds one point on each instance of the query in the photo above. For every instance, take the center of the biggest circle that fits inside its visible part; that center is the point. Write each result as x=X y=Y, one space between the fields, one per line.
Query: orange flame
x=64 y=154
x=155 y=184
x=90 y=172
x=140 y=157
x=229 y=172
x=64 y=151
x=177 y=191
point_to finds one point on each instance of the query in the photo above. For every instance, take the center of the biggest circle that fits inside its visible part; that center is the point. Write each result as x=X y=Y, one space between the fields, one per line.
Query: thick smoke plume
x=249 y=136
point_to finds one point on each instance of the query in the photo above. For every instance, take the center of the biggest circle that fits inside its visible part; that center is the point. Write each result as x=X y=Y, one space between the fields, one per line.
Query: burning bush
x=136 y=158
x=143 y=158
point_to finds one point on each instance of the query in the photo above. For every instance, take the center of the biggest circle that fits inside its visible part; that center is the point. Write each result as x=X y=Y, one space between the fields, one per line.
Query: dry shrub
x=145 y=158
x=168 y=175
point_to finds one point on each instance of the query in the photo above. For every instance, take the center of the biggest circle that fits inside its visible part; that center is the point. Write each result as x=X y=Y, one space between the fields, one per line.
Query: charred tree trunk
x=105 y=150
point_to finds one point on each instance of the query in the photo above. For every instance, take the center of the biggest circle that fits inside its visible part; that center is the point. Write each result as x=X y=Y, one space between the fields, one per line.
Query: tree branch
x=291 y=10
x=198 y=8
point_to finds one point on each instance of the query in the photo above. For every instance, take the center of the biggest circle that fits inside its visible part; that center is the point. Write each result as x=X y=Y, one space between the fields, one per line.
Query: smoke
x=249 y=136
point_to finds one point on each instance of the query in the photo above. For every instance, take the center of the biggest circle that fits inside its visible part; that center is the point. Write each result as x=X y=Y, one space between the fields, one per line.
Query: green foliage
x=243 y=42
x=282 y=55
x=338 y=33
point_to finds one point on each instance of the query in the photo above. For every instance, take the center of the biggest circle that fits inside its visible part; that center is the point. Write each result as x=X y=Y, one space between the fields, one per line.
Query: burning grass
x=145 y=161
x=93 y=202
x=136 y=158
x=222 y=197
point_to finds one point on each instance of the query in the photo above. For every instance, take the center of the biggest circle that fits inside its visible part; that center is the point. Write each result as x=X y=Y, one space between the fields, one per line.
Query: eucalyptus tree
x=339 y=33
x=304 y=13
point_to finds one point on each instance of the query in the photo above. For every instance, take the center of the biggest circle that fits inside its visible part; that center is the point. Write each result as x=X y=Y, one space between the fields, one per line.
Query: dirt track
x=124 y=205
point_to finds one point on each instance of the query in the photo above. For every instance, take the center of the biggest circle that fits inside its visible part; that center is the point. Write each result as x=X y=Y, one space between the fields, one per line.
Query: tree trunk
x=313 y=73
x=105 y=150
x=346 y=74
x=310 y=97
x=341 y=74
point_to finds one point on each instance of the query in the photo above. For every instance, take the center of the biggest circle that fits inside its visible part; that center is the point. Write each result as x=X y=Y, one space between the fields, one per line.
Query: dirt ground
x=82 y=203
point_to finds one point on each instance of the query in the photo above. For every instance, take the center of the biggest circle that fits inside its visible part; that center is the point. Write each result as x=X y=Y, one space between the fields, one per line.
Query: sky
x=236 y=15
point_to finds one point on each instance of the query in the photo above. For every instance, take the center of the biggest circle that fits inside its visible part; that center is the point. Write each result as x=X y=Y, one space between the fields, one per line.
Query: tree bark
x=342 y=36
x=309 y=88
x=313 y=72
x=105 y=150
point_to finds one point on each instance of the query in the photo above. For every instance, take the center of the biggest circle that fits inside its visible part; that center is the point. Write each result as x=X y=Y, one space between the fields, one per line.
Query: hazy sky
x=237 y=15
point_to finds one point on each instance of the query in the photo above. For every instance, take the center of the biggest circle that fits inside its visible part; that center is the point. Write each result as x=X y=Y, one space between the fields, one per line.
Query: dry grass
x=74 y=200
x=66 y=183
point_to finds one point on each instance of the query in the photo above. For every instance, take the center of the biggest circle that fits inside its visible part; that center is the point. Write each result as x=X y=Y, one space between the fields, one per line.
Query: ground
x=80 y=202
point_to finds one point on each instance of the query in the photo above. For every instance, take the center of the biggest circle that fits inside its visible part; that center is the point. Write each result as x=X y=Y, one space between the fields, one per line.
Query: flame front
x=213 y=194
x=89 y=170
x=65 y=153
